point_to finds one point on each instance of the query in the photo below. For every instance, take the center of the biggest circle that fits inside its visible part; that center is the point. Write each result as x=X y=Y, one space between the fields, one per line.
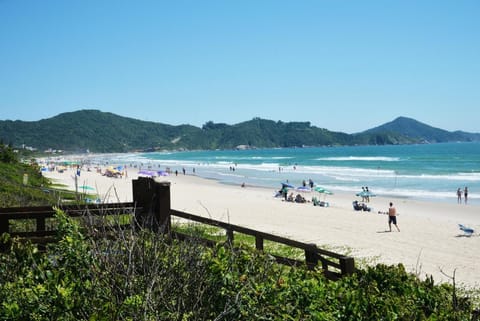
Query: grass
x=219 y=235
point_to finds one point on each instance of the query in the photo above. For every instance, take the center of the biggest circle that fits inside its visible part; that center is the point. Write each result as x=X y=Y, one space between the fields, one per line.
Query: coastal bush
x=259 y=289
x=53 y=285
x=140 y=275
x=13 y=191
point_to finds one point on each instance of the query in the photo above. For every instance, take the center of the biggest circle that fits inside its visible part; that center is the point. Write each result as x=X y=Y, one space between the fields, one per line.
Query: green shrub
x=53 y=285
x=14 y=193
x=141 y=275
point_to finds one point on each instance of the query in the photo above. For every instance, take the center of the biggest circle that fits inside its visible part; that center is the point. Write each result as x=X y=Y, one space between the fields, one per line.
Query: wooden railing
x=38 y=229
x=151 y=208
x=342 y=265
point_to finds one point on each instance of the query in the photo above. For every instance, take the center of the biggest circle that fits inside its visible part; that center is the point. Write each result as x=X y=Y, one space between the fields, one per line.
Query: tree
x=7 y=155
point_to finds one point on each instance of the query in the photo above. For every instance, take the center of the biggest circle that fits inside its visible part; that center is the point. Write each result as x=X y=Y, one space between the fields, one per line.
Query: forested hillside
x=415 y=129
x=98 y=131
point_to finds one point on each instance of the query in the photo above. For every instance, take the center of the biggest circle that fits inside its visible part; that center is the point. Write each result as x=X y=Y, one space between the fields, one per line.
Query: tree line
x=103 y=132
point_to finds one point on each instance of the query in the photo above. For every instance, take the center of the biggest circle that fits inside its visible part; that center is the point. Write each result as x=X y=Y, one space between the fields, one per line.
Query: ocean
x=427 y=171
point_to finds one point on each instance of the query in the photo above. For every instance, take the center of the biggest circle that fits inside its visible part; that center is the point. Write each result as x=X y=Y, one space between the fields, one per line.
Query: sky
x=344 y=65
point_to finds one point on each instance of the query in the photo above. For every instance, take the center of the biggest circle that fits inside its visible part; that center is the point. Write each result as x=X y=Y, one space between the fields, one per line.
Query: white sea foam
x=361 y=158
x=402 y=171
x=246 y=158
x=230 y=174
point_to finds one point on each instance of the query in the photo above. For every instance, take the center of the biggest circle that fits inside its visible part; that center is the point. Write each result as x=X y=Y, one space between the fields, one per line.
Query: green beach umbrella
x=322 y=190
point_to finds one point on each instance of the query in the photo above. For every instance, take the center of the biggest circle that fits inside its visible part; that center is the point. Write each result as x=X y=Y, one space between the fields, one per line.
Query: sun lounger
x=317 y=202
x=467 y=230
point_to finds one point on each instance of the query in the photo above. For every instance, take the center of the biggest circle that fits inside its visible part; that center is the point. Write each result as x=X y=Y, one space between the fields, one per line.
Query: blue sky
x=342 y=65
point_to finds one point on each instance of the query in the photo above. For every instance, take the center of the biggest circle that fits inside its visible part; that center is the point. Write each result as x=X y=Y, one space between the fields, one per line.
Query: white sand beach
x=430 y=241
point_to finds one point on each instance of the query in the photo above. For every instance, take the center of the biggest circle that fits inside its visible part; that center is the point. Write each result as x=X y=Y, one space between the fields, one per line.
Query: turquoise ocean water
x=430 y=171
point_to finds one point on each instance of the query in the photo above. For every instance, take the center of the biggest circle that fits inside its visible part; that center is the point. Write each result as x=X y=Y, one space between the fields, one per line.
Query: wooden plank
x=288 y=261
x=24 y=209
x=34 y=213
x=186 y=237
x=26 y=215
x=34 y=234
x=64 y=207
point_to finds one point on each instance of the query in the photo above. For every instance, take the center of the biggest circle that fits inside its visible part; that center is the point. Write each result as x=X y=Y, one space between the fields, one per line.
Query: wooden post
x=230 y=237
x=4 y=228
x=4 y=225
x=259 y=243
x=76 y=187
x=311 y=257
x=154 y=198
x=40 y=224
x=164 y=206
x=347 y=265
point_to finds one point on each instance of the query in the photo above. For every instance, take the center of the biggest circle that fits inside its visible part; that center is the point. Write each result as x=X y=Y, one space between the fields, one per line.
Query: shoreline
x=429 y=242
x=424 y=188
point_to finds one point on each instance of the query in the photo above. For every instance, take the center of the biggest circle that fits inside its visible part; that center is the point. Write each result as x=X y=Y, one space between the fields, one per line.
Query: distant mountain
x=416 y=130
x=106 y=132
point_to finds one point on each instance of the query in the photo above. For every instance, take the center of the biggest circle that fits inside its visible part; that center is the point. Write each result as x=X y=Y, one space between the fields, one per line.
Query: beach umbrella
x=287 y=185
x=322 y=190
x=366 y=194
x=112 y=172
x=303 y=189
x=147 y=173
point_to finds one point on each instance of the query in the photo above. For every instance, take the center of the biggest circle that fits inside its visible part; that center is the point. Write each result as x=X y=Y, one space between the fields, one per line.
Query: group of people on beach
x=459 y=195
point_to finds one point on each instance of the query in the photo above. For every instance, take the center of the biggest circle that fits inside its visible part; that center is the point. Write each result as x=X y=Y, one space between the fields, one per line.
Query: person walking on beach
x=392 y=217
x=459 y=196
x=465 y=194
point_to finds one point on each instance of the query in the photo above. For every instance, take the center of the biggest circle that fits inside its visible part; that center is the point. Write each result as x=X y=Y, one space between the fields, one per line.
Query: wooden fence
x=151 y=208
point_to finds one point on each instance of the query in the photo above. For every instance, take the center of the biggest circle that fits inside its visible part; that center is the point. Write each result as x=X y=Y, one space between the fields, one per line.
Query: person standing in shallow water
x=392 y=217
x=459 y=196
x=465 y=194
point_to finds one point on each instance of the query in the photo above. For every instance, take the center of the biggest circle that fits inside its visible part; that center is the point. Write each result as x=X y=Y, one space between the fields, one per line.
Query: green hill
x=103 y=132
x=94 y=130
x=425 y=133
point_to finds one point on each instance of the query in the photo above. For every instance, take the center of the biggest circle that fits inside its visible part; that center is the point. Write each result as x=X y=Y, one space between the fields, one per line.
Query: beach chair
x=361 y=206
x=317 y=202
x=357 y=206
x=466 y=230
